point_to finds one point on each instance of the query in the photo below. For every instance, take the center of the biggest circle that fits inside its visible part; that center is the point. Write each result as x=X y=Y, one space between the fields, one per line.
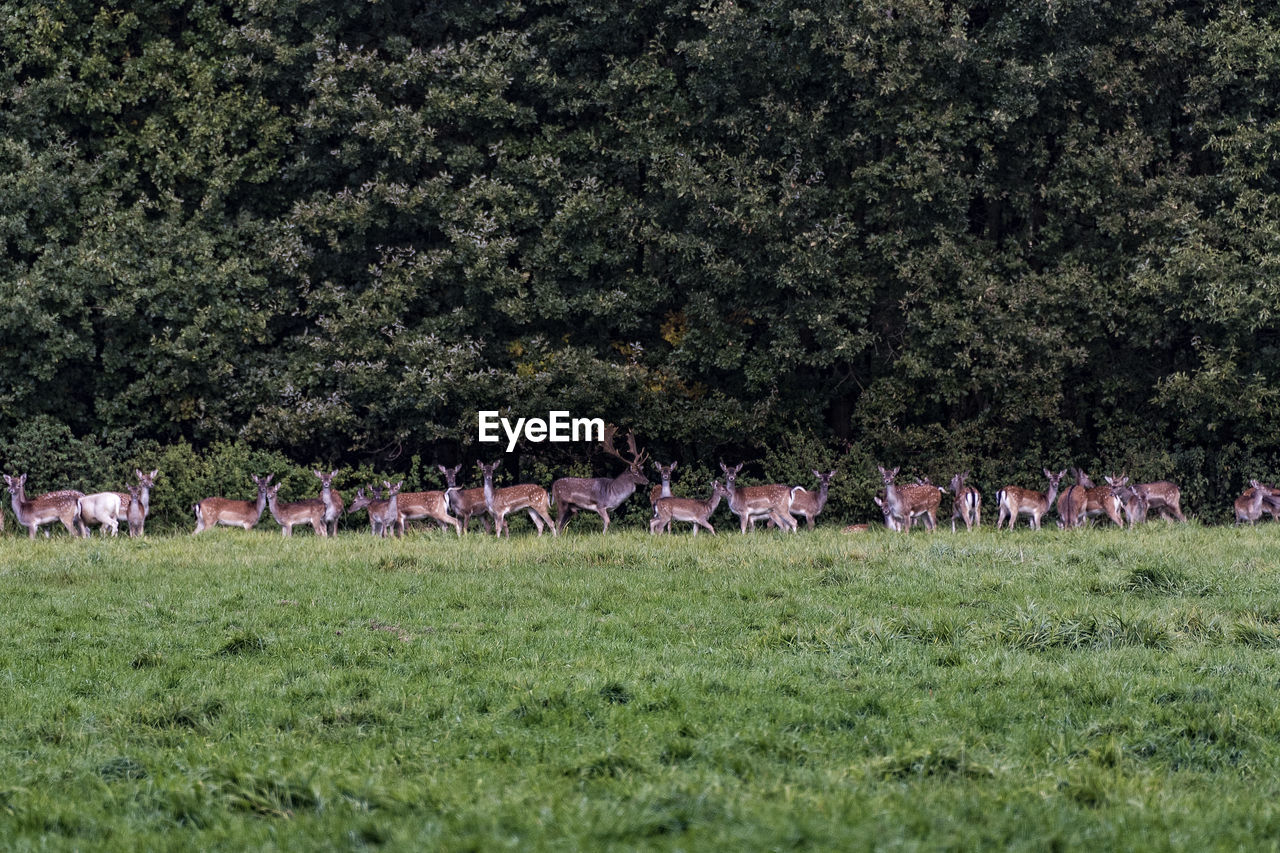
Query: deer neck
x=261 y=505
x=822 y=495
x=1052 y=493
x=274 y=506
x=714 y=502
x=618 y=489
x=488 y=493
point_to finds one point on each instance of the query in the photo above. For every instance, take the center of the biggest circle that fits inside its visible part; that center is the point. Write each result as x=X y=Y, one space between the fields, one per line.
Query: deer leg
x=605 y=515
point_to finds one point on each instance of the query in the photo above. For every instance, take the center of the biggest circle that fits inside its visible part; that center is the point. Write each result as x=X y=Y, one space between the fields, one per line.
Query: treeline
x=986 y=236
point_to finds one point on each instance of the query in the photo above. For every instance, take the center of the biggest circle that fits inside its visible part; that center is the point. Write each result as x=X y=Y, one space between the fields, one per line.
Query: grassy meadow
x=1052 y=690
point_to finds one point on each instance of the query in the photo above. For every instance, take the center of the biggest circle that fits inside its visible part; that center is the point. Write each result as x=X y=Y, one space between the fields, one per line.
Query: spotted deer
x=287 y=514
x=332 y=500
x=433 y=505
x=1016 y=501
x=755 y=502
x=966 y=503
x=909 y=501
x=502 y=501
x=810 y=504
x=211 y=512
x=667 y=510
x=1249 y=505
x=599 y=494
x=1071 y=506
x=388 y=511
x=464 y=503
x=1100 y=500
x=61 y=506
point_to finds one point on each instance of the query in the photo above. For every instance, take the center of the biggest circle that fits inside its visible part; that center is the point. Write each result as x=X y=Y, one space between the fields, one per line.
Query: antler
x=638 y=457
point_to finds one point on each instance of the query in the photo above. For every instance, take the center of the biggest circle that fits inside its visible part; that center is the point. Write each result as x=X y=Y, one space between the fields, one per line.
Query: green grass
x=1028 y=690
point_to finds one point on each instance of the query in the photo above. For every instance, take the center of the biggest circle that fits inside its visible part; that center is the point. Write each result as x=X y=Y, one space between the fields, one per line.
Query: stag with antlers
x=600 y=494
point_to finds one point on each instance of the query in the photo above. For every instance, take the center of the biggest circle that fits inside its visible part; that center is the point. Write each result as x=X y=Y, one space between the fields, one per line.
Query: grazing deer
x=137 y=512
x=599 y=494
x=102 y=509
x=61 y=506
x=309 y=511
x=1249 y=505
x=333 y=505
x=1163 y=497
x=909 y=501
x=966 y=503
x=1071 y=506
x=388 y=511
x=1015 y=501
x=433 y=505
x=810 y=504
x=464 y=503
x=1101 y=500
x=663 y=490
x=748 y=502
x=502 y=501
x=667 y=510
x=211 y=512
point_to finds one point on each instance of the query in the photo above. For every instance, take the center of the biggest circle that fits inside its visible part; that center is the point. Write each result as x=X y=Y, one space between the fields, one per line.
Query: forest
x=943 y=236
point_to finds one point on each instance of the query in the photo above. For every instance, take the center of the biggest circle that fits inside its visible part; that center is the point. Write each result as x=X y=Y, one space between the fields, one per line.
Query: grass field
x=1047 y=690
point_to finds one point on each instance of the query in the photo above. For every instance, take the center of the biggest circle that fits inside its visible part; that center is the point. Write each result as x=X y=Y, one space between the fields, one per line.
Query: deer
x=211 y=512
x=502 y=501
x=61 y=506
x=287 y=514
x=1071 y=506
x=1162 y=496
x=810 y=504
x=373 y=504
x=1129 y=499
x=1101 y=500
x=464 y=503
x=667 y=510
x=1015 y=501
x=748 y=502
x=966 y=504
x=1271 y=501
x=388 y=511
x=662 y=490
x=137 y=512
x=433 y=505
x=600 y=494
x=102 y=509
x=333 y=505
x=1249 y=505
x=908 y=501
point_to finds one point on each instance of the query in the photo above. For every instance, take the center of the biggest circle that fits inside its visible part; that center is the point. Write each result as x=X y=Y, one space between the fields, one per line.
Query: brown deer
x=966 y=503
x=102 y=509
x=909 y=501
x=810 y=504
x=286 y=514
x=502 y=501
x=61 y=506
x=667 y=510
x=1271 y=501
x=890 y=521
x=599 y=494
x=1101 y=500
x=751 y=502
x=374 y=504
x=433 y=505
x=464 y=503
x=1071 y=506
x=1015 y=501
x=211 y=512
x=663 y=489
x=1249 y=505
x=332 y=500
x=387 y=512
x=137 y=512
x=1129 y=499
x=1162 y=497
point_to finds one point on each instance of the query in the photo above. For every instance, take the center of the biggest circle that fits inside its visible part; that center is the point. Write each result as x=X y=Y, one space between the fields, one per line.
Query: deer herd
x=389 y=508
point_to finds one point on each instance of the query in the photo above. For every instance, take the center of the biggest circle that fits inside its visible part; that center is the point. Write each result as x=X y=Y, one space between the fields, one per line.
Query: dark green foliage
x=991 y=237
